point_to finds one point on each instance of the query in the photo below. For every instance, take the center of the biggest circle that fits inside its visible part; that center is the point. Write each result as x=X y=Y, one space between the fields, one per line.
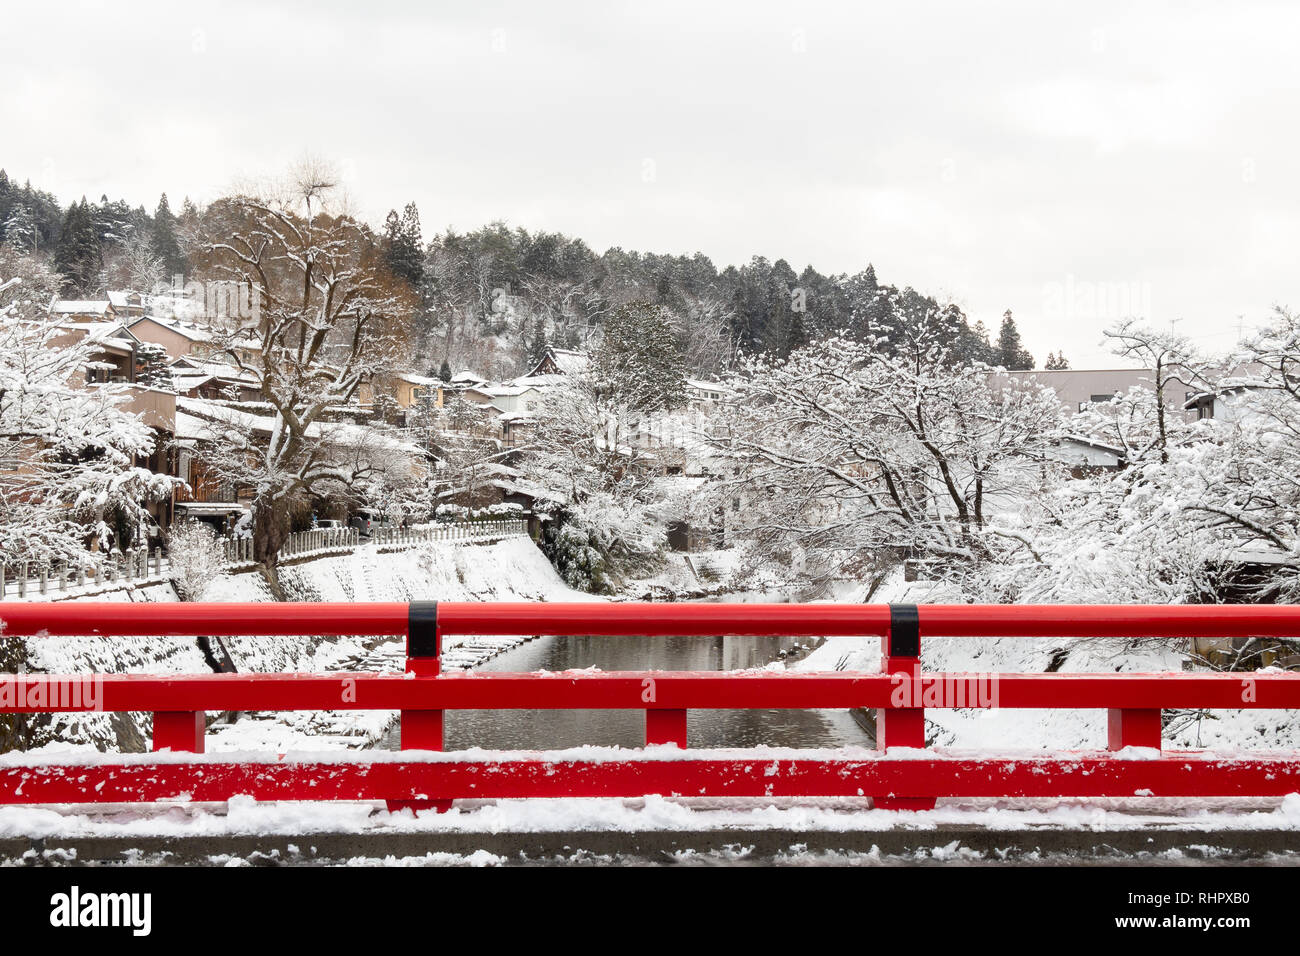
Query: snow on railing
x=141 y=566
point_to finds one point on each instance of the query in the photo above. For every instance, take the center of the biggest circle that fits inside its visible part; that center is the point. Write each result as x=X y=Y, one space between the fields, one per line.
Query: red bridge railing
x=896 y=775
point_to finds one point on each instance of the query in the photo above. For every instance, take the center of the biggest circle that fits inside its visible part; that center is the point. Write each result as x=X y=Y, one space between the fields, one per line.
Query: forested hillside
x=494 y=298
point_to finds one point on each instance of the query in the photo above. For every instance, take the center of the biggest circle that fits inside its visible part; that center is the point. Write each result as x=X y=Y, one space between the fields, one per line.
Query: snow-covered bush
x=570 y=549
x=196 y=557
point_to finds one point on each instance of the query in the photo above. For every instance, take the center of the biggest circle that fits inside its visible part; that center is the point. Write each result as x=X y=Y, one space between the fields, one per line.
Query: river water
x=555 y=729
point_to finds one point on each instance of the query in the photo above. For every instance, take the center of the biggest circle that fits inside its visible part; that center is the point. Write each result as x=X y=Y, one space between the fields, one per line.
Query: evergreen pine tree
x=163 y=242
x=403 y=245
x=152 y=370
x=536 y=346
x=637 y=364
x=1010 y=353
x=113 y=224
x=1056 y=361
x=6 y=202
x=20 y=229
x=444 y=372
x=77 y=256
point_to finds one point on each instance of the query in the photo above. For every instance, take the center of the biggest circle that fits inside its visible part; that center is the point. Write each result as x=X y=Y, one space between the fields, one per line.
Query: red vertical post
x=1132 y=727
x=180 y=731
x=665 y=726
x=902 y=726
x=422 y=729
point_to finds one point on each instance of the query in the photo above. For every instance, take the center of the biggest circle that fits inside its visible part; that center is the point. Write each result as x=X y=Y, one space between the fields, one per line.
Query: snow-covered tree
x=403 y=246
x=1010 y=352
x=1240 y=482
x=461 y=442
x=586 y=465
x=67 y=448
x=848 y=454
x=1056 y=361
x=327 y=320
x=163 y=240
x=1162 y=528
x=131 y=264
x=1173 y=362
x=21 y=229
x=637 y=364
x=702 y=331
x=152 y=369
x=78 y=255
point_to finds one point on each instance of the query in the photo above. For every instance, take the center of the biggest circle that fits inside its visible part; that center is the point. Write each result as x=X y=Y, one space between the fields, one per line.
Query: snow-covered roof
x=217 y=370
x=707 y=386
x=110 y=335
x=504 y=391
x=81 y=307
x=1198 y=397
x=418 y=379
x=1260 y=553
x=171 y=305
x=122 y=299
x=537 y=381
x=185 y=383
x=1092 y=443
x=512 y=484
x=568 y=361
x=196 y=418
x=465 y=375
x=107 y=330
x=191 y=332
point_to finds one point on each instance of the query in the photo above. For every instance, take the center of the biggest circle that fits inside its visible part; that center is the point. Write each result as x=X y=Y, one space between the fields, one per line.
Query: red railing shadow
x=901 y=774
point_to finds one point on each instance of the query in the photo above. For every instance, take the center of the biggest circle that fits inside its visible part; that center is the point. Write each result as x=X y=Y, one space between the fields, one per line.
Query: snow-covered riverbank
x=510 y=569
x=1049 y=729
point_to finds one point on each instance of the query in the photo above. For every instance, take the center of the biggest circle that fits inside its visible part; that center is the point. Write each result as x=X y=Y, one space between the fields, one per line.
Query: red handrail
x=124 y=619
x=900 y=694
x=649 y=618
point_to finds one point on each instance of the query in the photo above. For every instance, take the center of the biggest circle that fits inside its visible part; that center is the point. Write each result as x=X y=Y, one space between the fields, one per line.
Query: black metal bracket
x=422 y=629
x=904 y=631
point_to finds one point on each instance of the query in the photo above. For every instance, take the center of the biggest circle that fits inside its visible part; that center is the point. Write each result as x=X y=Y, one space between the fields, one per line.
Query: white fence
x=135 y=565
x=323 y=540
x=140 y=566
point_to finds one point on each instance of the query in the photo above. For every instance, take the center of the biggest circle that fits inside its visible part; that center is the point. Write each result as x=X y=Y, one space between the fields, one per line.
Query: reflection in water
x=554 y=729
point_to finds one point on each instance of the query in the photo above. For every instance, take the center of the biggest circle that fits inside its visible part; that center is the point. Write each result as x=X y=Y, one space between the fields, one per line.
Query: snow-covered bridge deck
x=657 y=830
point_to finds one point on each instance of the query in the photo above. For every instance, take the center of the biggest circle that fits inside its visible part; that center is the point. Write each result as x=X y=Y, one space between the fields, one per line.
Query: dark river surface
x=555 y=729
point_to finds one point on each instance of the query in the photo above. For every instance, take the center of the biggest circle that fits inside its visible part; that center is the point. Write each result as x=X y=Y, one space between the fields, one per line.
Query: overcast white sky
x=1071 y=162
